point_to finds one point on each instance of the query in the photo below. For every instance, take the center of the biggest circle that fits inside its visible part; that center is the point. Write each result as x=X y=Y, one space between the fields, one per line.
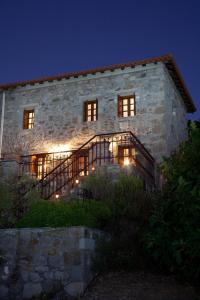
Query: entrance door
x=126 y=155
x=39 y=165
x=83 y=163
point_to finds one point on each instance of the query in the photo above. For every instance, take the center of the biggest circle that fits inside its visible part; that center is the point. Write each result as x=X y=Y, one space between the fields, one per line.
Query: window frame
x=127 y=152
x=121 y=105
x=93 y=116
x=28 y=121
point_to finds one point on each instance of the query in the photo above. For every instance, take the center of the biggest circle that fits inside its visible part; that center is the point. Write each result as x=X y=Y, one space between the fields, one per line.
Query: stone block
x=77 y=273
x=4 y=292
x=75 y=288
x=86 y=244
x=34 y=277
x=32 y=290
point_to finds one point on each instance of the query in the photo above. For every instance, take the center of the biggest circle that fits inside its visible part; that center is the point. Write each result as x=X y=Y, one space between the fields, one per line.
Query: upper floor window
x=91 y=110
x=126 y=106
x=28 y=119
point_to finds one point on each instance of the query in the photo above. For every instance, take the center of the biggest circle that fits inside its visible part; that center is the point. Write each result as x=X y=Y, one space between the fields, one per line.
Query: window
x=91 y=111
x=39 y=165
x=126 y=106
x=29 y=118
x=126 y=155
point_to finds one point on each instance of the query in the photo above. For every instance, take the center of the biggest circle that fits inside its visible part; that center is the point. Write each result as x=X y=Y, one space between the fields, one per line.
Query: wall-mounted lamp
x=126 y=162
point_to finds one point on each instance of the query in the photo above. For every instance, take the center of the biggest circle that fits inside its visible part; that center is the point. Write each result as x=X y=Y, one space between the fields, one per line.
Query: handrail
x=66 y=171
x=96 y=135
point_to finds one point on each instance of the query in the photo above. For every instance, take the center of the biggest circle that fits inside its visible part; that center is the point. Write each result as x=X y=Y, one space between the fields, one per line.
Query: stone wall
x=175 y=115
x=59 y=110
x=9 y=169
x=42 y=261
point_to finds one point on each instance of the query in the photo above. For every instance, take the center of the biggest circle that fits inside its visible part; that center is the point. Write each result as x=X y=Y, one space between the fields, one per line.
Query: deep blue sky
x=48 y=37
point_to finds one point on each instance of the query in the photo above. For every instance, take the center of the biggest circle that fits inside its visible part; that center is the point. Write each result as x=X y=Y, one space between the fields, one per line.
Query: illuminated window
x=126 y=155
x=126 y=106
x=39 y=165
x=83 y=165
x=91 y=111
x=28 y=119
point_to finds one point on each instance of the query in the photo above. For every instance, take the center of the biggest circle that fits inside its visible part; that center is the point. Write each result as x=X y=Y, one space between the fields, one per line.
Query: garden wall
x=45 y=260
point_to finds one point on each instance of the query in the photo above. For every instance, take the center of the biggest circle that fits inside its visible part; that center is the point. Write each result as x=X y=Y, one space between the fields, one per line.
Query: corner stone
x=31 y=290
x=3 y=292
x=75 y=289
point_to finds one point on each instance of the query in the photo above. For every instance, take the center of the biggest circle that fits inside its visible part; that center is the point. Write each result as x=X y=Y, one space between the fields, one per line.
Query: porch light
x=57 y=196
x=77 y=181
x=126 y=162
x=93 y=168
x=59 y=148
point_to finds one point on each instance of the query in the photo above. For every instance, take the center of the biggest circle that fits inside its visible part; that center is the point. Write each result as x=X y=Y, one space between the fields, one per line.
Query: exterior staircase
x=121 y=148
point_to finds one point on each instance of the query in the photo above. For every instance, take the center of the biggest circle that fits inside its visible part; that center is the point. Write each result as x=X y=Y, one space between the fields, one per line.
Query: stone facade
x=159 y=123
x=43 y=261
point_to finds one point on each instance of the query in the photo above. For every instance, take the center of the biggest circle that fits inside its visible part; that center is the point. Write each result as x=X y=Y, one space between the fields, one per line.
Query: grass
x=89 y=213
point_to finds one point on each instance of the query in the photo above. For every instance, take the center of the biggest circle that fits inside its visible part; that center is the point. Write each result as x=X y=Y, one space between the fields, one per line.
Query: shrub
x=173 y=240
x=16 y=197
x=98 y=186
x=130 y=206
x=7 y=217
x=60 y=214
x=25 y=195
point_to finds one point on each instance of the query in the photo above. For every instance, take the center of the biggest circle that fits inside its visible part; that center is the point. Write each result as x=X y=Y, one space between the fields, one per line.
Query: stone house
x=64 y=127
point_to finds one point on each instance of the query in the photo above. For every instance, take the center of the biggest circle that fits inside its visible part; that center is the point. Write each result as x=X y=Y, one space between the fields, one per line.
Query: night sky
x=44 y=38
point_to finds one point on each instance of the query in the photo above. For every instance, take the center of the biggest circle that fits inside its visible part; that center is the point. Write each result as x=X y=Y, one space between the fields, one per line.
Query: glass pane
x=89 y=113
x=132 y=106
x=125 y=114
x=94 y=105
x=132 y=113
x=131 y=100
x=89 y=118
x=125 y=107
x=125 y=101
x=133 y=152
x=94 y=118
x=126 y=152
x=89 y=106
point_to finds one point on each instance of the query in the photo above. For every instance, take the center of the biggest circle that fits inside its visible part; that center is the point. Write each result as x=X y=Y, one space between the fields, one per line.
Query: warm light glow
x=59 y=148
x=93 y=168
x=126 y=162
x=57 y=196
x=77 y=181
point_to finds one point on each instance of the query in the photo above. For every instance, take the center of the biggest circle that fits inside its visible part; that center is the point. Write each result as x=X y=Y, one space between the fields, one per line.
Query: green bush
x=16 y=198
x=7 y=216
x=98 y=186
x=60 y=214
x=173 y=240
x=130 y=206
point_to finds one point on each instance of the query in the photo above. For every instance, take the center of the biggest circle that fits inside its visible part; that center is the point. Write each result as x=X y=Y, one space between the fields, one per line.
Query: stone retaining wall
x=43 y=260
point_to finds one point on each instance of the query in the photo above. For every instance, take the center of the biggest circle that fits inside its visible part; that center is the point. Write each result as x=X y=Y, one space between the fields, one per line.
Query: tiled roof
x=168 y=60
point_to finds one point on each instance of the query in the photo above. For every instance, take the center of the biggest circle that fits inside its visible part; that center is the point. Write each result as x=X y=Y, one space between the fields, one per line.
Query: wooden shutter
x=120 y=107
x=96 y=109
x=85 y=111
x=25 y=119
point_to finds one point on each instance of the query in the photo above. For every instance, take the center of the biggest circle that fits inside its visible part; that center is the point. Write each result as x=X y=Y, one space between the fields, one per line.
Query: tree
x=174 y=236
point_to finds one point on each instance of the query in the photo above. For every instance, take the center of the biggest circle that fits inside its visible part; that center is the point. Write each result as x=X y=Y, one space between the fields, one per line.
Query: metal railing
x=103 y=149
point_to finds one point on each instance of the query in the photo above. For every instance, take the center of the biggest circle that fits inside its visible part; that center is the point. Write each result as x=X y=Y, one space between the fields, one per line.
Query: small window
x=126 y=106
x=91 y=111
x=29 y=118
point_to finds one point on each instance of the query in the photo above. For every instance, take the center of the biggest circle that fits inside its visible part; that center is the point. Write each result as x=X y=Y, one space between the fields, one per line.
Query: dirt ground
x=139 y=286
